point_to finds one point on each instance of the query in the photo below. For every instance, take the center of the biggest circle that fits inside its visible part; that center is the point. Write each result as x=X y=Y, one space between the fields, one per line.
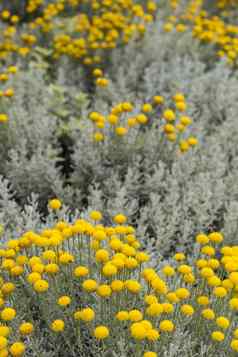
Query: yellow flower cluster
x=87 y=34
x=123 y=117
x=215 y=30
x=119 y=296
x=6 y=93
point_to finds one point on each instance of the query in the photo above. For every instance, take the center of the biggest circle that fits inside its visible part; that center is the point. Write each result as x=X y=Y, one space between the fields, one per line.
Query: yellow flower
x=182 y=293
x=26 y=328
x=187 y=310
x=233 y=303
x=179 y=97
x=98 y=137
x=217 y=336
x=87 y=315
x=208 y=250
x=104 y=290
x=102 y=256
x=133 y=286
x=122 y=316
x=8 y=314
x=152 y=335
x=203 y=300
x=3 y=342
x=208 y=314
x=138 y=331
x=158 y=99
x=150 y=354
x=101 y=332
x=192 y=141
x=3 y=118
x=202 y=239
x=121 y=131
x=185 y=269
x=135 y=315
x=234 y=345
x=17 y=349
x=222 y=322
x=64 y=300
x=96 y=215
x=89 y=285
x=215 y=237
x=109 y=269
x=147 y=108
x=168 y=270
x=220 y=292
x=233 y=277
x=4 y=330
x=41 y=286
x=179 y=256
x=81 y=271
x=166 y=326
x=181 y=106
x=57 y=326
x=206 y=272
x=55 y=204
x=169 y=115
x=120 y=219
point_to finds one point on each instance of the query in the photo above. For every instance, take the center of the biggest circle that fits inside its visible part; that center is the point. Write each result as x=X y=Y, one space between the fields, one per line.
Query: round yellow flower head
x=57 y=326
x=138 y=331
x=101 y=332
x=215 y=237
x=166 y=326
x=182 y=293
x=181 y=106
x=102 y=255
x=208 y=314
x=233 y=303
x=64 y=300
x=87 y=314
x=169 y=115
x=234 y=345
x=150 y=354
x=179 y=97
x=89 y=285
x=120 y=219
x=220 y=292
x=109 y=269
x=179 y=256
x=202 y=239
x=184 y=269
x=233 y=277
x=203 y=300
x=222 y=322
x=4 y=331
x=135 y=315
x=122 y=316
x=152 y=335
x=96 y=215
x=168 y=270
x=55 y=204
x=207 y=272
x=133 y=286
x=104 y=290
x=158 y=99
x=26 y=328
x=3 y=342
x=187 y=310
x=217 y=336
x=8 y=314
x=17 y=349
x=81 y=271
